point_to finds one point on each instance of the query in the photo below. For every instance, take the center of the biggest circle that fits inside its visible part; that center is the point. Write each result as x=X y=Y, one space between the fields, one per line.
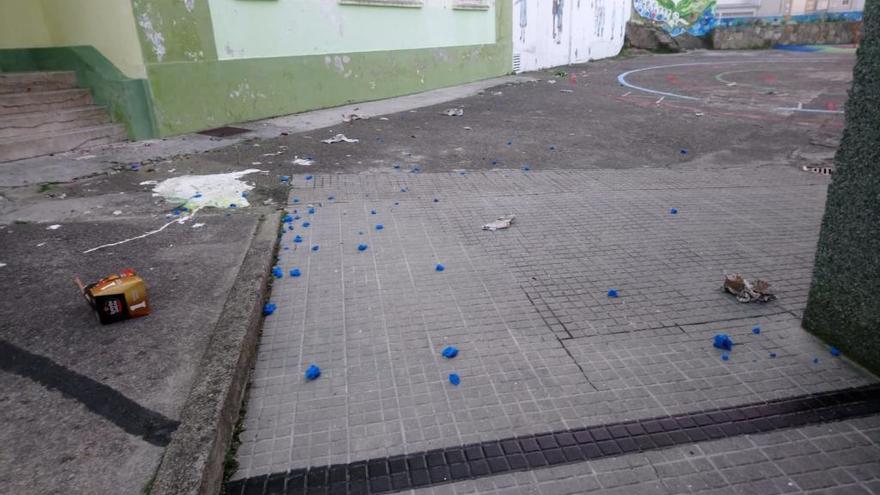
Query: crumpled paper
x=338 y=139
x=748 y=291
x=453 y=112
x=499 y=223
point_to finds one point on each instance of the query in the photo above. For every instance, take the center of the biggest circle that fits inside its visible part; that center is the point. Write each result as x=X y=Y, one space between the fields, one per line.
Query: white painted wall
x=548 y=33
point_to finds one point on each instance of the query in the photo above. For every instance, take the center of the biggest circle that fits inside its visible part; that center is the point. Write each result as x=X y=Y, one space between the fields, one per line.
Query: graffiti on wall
x=695 y=17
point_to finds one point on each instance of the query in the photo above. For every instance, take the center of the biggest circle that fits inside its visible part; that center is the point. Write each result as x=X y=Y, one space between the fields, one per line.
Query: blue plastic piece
x=362 y=247
x=454 y=379
x=396 y=203
x=233 y=205
x=834 y=351
x=313 y=372
x=306 y=224
x=197 y=195
x=277 y=272
x=330 y=198
x=526 y=168
x=509 y=143
x=290 y=227
x=285 y=178
x=552 y=147
x=397 y=167
x=287 y=219
x=269 y=308
x=772 y=354
x=311 y=211
x=439 y=267
x=684 y=151
x=315 y=247
x=402 y=189
x=379 y=226
x=815 y=360
x=436 y=200
x=309 y=177
x=722 y=341
x=494 y=162
x=725 y=356
x=461 y=173
x=613 y=293
x=674 y=211
x=372 y=212
x=245 y=194
x=298 y=239
x=295 y=272
x=295 y=200
x=450 y=352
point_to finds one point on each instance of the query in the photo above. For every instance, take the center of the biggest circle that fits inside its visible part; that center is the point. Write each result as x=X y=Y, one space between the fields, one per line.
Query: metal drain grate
x=517 y=63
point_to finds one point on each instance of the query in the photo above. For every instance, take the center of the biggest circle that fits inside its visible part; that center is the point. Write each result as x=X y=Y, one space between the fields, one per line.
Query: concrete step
x=42 y=101
x=23 y=124
x=45 y=143
x=24 y=82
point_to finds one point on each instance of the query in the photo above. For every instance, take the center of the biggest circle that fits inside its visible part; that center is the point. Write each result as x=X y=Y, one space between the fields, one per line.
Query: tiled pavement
x=542 y=346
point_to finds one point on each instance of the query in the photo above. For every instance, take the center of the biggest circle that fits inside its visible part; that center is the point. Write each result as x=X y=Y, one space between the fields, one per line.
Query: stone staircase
x=44 y=112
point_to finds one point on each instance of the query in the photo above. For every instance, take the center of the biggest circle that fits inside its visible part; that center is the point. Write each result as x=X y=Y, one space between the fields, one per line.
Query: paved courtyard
x=545 y=354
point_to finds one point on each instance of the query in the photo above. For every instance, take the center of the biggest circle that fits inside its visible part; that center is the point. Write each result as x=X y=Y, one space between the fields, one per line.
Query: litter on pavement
x=612 y=293
x=723 y=341
x=305 y=162
x=450 y=352
x=748 y=291
x=499 y=223
x=339 y=138
x=352 y=117
x=313 y=372
x=117 y=297
x=439 y=267
x=269 y=308
x=454 y=379
x=453 y=112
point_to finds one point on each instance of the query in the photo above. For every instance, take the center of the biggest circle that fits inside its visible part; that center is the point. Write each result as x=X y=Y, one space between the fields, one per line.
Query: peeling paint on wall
x=550 y=33
x=157 y=41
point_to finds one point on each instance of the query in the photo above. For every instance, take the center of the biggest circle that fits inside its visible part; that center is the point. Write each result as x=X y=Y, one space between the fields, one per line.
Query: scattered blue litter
x=296 y=200
x=526 y=168
x=722 y=341
x=674 y=211
x=296 y=217
x=285 y=178
x=450 y=352
x=245 y=194
x=756 y=330
x=436 y=200
x=362 y=247
x=306 y=224
x=396 y=203
x=509 y=143
x=315 y=247
x=379 y=226
x=295 y=272
x=277 y=272
x=461 y=173
x=815 y=360
x=439 y=267
x=184 y=208
x=311 y=211
x=613 y=293
x=269 y=308
x=175 y=212
x=233 y=205
x=360 y=232
x=552 y=147
x=298 y=239
x=684 y=151
x=494 y=162
x=725 y=356
x=197 y=195
x=397 y=167
x=834 y=351
x=330 y=198
x=313 y=372
x=287 y=248
x=309 y=177
x=287 y=219
x=772 y=354
x=454 y=379
x=372 y=212
x=402 y=189
x=415 y=170
x=135 y=166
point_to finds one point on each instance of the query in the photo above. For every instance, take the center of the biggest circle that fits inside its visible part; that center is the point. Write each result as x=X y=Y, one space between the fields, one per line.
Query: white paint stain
x=200 y=191
x=53 y=227
x=157 y=40
x=190 y=5
x=2 y=265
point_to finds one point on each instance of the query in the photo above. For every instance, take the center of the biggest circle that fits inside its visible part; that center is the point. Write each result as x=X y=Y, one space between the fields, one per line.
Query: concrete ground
x=591 y=164
x=542 y=347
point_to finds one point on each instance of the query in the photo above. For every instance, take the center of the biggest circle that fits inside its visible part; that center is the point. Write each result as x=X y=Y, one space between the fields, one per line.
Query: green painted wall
x=193 y=90
x=274 y=28
x=22 y=24
x=107 y=25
